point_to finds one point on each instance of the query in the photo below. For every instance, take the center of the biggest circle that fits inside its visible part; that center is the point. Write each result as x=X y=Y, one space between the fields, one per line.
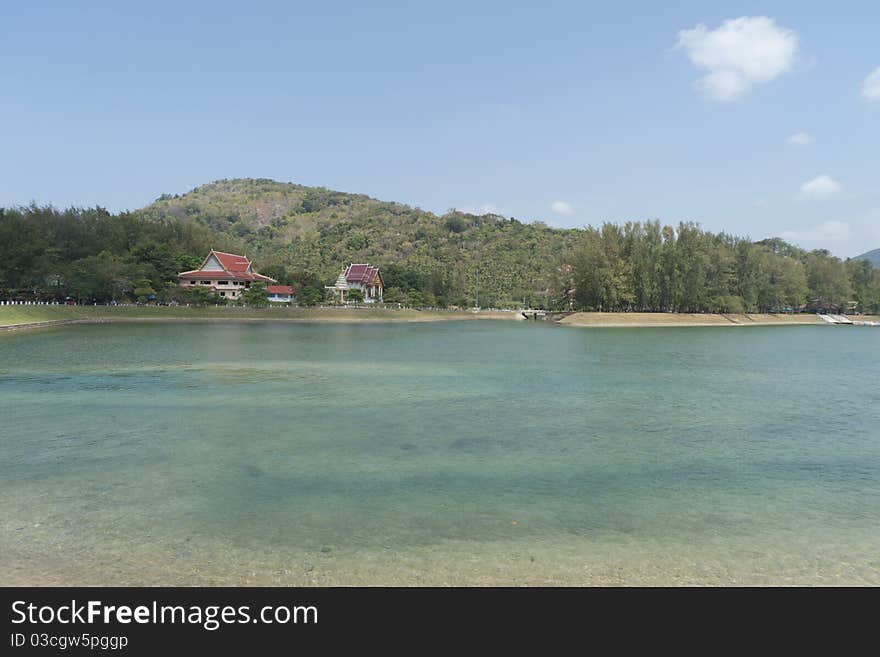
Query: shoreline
x=681 y=320
x=449 y=563
x=25 y=318
x=452 y=563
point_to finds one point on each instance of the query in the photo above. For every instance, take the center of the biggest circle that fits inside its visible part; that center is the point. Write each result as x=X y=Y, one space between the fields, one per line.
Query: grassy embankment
x=35 y=315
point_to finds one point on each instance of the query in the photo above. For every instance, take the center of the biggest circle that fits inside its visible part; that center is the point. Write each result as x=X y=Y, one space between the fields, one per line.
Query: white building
x=225 y=274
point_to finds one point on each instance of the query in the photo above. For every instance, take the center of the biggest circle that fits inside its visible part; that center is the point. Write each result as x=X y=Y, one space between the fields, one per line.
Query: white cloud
x=800 y=139
x=829 y=231
x=820 y=187
x=742 y=52
x=871 y=86
x=561 y=207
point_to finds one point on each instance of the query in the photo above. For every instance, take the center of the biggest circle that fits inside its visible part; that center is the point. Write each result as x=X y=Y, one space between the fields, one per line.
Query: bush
x=393 y=295
x=200 y=296
x=255 y=296
x=310 y=296
x=455 y=223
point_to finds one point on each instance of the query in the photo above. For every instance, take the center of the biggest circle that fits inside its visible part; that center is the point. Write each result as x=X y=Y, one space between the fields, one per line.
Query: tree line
x=659 y=268
x=92 y=255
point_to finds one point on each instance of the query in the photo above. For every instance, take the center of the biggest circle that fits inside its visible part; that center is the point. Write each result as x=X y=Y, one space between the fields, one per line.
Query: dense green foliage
x=303 y=236
x=649 y=267
x=255 y=295
x=93 y=255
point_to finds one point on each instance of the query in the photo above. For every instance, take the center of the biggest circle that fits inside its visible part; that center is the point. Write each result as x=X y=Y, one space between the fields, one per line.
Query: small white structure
x=280 y=293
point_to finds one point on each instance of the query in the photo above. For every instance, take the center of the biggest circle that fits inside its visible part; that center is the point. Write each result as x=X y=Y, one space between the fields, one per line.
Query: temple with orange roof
x=225 y=274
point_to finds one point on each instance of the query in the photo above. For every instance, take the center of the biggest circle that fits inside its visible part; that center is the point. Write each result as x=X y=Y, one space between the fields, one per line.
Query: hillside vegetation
x=17 y=315
x=304 y=235
x=296 y=230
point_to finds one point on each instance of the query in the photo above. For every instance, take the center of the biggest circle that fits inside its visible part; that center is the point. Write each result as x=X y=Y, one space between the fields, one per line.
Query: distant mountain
x=871 y=256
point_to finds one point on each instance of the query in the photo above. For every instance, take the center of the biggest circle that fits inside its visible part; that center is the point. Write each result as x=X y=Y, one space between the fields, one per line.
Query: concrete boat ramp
x=843 y=319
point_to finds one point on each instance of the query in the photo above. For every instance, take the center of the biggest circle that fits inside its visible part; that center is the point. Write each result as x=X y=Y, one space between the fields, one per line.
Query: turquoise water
x=477 y=452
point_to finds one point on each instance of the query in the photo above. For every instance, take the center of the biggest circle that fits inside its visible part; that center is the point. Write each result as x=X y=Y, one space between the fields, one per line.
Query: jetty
x=836 y=319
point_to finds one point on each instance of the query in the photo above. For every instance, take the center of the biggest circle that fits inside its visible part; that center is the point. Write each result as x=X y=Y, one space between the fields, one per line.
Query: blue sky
x=572 y=113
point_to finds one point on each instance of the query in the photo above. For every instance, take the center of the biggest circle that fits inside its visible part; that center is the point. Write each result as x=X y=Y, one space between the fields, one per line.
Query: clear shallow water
x=460 y=453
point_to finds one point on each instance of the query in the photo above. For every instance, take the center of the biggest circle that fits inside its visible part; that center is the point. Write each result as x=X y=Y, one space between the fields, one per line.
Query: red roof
x=279 y=289
x=364 y=274
x=235 y=267
x=197 y=274
x=233 y=263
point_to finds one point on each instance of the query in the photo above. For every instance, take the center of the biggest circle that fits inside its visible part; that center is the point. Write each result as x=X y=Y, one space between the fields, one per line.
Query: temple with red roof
x=362 y=277
x=225 y=274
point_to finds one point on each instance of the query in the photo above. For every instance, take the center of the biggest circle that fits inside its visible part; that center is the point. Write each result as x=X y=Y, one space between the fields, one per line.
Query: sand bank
x=644 y=320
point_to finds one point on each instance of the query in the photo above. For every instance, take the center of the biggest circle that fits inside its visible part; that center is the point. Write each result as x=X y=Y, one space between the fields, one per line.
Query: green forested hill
x=293 y=229
x=871 y=256
x=303 y=236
